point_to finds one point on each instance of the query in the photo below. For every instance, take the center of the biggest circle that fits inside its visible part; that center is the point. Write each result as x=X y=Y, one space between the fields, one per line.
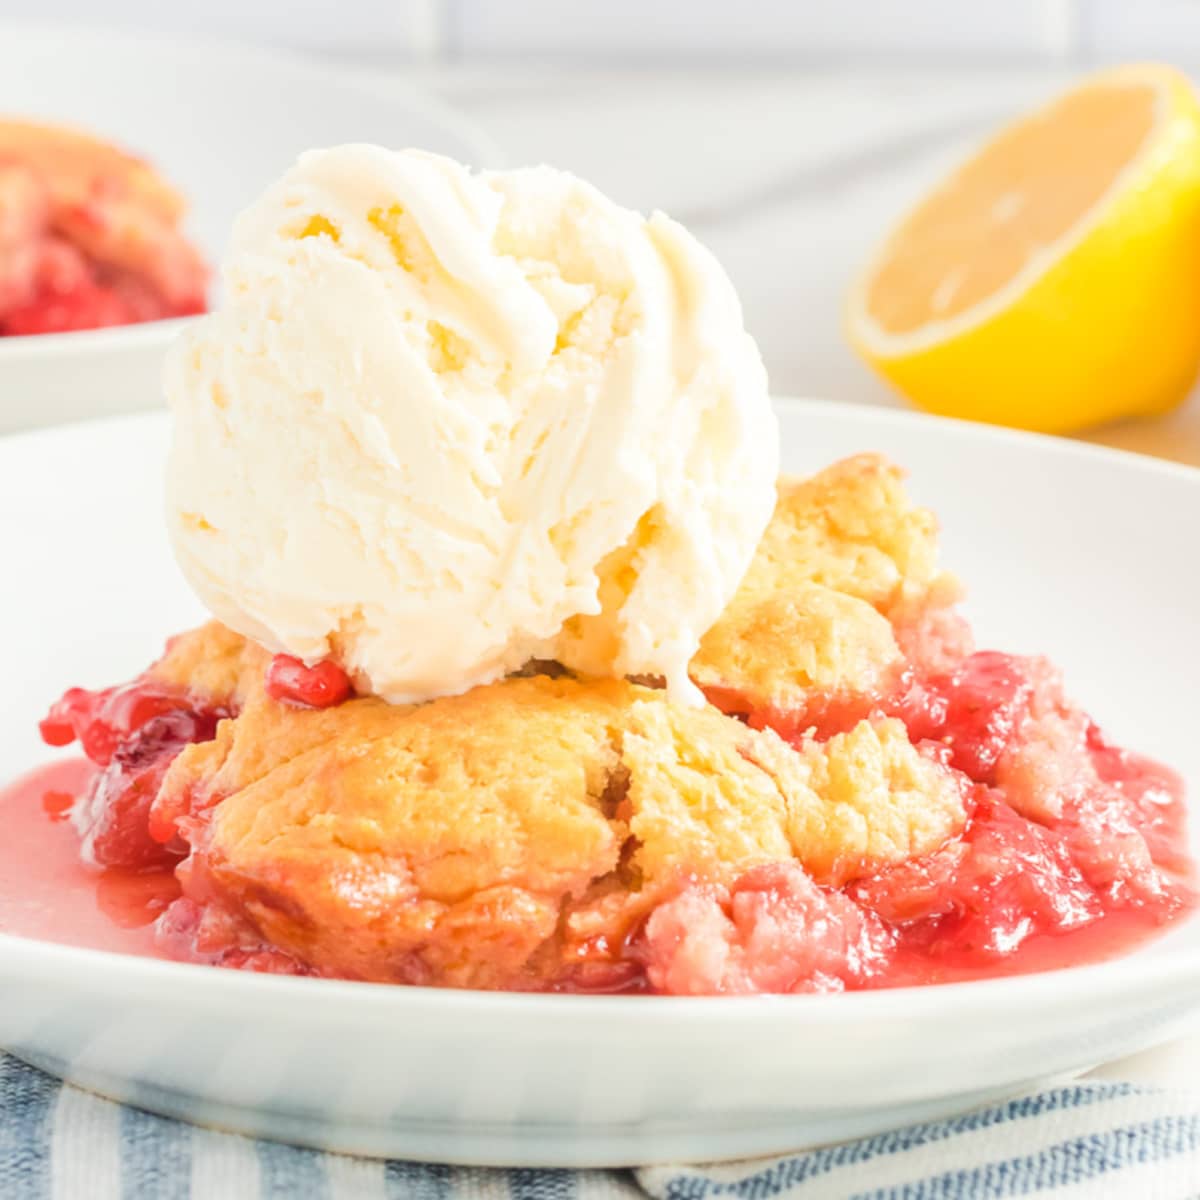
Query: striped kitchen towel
x=1088 y=1140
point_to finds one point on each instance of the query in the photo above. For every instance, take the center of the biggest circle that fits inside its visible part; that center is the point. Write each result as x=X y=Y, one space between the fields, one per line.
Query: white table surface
x=789 y=176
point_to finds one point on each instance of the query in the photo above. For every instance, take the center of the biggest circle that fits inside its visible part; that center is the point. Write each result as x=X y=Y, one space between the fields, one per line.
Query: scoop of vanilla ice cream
x=448 y=422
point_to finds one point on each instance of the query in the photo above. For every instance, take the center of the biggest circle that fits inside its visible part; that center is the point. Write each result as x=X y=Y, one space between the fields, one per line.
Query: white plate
x=221 y=122
x=1082 y=553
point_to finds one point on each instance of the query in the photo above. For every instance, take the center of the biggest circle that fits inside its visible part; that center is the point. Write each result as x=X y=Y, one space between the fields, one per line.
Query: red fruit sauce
x=131 y=733
x=1044 y=875
x=46 y=890
x=320 y=686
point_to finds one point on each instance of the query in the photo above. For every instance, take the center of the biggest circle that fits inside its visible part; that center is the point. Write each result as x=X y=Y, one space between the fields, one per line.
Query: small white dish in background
x=220 y=122
x=1076 y=552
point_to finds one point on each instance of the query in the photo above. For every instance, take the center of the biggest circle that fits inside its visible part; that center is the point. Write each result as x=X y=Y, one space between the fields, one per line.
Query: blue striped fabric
x=1090 y=1141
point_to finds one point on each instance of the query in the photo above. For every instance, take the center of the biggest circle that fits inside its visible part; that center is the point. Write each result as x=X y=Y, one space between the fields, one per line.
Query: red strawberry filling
x=132 y=733
x=1074 y=848
x=320 y=686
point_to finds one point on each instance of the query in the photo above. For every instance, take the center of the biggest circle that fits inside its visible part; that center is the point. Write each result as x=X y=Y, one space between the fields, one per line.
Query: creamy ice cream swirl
x=448 y=422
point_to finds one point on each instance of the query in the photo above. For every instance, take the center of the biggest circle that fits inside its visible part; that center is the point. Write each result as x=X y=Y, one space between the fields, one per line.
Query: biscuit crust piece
x=840 y=594
x=491 y=839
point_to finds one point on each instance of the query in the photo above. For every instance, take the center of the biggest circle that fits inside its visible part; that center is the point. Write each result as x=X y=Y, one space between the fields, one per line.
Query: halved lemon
x=1053 y=280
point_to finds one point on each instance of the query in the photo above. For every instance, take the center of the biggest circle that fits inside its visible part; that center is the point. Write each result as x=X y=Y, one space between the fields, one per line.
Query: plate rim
x=1065 y=985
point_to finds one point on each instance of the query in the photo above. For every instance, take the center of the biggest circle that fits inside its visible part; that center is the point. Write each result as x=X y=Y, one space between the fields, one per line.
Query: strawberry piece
x=320 y=686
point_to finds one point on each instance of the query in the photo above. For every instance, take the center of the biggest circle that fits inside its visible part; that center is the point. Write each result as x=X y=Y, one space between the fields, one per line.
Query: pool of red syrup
x=1109 y=936
x=47 y=892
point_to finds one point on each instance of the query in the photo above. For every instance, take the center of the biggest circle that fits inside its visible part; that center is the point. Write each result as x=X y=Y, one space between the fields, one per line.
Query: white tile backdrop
x=633 y=30
x=753 y=27
x=1124 y=29
x=409 y=27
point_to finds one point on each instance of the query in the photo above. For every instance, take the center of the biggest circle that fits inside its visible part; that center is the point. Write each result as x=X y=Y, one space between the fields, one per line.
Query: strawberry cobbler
x=865 y=800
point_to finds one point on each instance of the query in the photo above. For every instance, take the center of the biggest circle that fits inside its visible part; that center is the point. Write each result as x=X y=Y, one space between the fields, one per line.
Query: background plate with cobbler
x=182 y=103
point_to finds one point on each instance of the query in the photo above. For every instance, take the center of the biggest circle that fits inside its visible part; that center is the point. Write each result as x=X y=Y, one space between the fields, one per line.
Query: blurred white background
x=788 y=134
x=659 y=29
